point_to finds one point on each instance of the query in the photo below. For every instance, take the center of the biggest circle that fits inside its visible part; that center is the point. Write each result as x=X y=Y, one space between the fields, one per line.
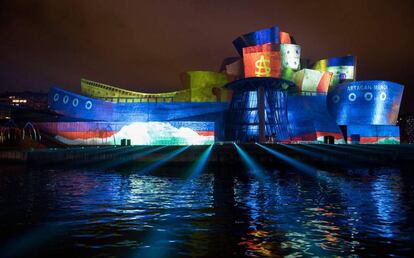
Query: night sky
x=144 y=45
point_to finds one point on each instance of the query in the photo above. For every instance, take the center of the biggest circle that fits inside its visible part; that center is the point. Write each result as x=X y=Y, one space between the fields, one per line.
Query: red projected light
x=323 y=84
x=261 y=61
x=284 y=38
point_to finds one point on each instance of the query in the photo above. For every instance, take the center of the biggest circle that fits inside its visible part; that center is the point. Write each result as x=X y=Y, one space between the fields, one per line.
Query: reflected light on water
x=213 y=212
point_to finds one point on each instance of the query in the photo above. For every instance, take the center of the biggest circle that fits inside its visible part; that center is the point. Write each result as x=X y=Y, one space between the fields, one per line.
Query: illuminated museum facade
x=268 y=94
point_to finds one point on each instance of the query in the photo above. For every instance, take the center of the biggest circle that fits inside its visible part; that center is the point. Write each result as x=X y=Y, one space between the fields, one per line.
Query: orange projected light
x=324 y=82
x=284 y=38
x=261 y=61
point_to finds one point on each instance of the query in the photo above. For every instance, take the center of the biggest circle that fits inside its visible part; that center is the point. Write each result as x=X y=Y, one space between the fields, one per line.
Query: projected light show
x=188 y=128
x=298 y=103
x=140 y=133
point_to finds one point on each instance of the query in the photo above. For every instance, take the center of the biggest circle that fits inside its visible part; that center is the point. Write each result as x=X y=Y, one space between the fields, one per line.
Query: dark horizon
x=144 y=47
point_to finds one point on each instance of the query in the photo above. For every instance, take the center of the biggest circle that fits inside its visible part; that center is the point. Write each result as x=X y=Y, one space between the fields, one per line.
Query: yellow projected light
x=200 y=86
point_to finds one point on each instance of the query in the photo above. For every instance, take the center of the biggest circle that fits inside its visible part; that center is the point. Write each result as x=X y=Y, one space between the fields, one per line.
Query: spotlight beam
x=196 y=169
x=250 y=163
x=157 y=250
x=163 y=160
x=316 y=155
x=130 y=156
x=302 y=167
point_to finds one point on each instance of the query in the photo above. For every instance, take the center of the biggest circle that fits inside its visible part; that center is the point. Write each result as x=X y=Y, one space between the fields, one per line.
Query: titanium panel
x=140 y=133
x=110 y=93
x=343 y=68
x=84 y=108
x=260 y=37
x=373 y=134
x=309 y=80
x=206 y=86
x=261 y=61
x=309 y=120
x=365 y=103
x=290 y=60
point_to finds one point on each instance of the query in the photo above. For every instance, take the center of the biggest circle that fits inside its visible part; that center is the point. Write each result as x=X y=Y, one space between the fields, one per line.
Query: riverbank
x=218 y=154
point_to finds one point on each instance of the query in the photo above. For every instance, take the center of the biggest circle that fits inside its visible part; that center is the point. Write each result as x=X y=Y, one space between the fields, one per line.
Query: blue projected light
x=163 y=160
x=342 y=61
x=243 y=118
x=200 y=164
x=157 y=241
x=252 y=165
x=129 y=155
x=293 y=162
x=365 y=102
x=132 y=111
x=260 y=37
x=314 y=154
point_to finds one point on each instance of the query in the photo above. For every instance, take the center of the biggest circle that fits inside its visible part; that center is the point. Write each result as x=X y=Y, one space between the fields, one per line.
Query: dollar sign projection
x=262 y=67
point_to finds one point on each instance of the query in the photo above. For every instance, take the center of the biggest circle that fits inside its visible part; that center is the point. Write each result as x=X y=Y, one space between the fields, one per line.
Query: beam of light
x=81 y=156
x=196 y=169
x=363 y=148
x=38 y=237
x=316 y=155
x=352 y=155
x=251 y=164
x=302 y=167
x=152 y=249
x=131 y=155
x=163 y=160
x=323 y=148
x=359 y=149
x=116 y=152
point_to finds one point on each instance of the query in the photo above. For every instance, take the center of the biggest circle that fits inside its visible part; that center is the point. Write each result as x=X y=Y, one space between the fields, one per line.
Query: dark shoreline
x=220 y=155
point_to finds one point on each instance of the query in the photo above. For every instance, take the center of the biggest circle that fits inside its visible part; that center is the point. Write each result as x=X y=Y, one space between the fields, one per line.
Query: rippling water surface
x=221 y=213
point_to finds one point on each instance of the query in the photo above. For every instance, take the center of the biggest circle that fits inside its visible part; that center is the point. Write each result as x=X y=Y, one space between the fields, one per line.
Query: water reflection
x=225 y=212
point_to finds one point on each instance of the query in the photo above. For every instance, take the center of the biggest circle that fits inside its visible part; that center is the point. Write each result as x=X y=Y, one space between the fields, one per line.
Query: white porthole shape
x=65 y=99
x=56 y=97
x=368 y=96
x=335 y=99
x=352 y=97
x=88 y=104
x=75 y=102
x=383 y=96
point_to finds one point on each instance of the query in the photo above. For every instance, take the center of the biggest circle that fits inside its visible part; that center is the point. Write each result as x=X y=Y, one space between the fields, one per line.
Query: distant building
x=33 y=100
x=5 y=112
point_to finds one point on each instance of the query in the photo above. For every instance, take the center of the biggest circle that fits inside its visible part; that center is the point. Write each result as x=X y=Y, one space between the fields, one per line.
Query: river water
x=224 y=212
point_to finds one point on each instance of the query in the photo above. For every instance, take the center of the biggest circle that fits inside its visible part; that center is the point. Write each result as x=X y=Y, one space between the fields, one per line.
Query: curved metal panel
x=290 y=60
x=140 y=133
x=81 y=107
x=85 y=108
x=343 y=68
x=261 y=61
x=260 y=37
x=290 y=54
x=205 y=86
x=284 y=38
x=253 y=83
x=373 y=134
x=309 y=119
x=365 y=102
x=107 y=92
x=309 y=80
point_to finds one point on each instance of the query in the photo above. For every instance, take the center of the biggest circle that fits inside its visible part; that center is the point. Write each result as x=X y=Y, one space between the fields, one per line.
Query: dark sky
x=144 y=45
